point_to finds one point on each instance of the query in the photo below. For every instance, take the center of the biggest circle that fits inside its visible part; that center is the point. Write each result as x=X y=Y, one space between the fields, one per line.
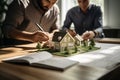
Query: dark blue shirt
x=91 y=20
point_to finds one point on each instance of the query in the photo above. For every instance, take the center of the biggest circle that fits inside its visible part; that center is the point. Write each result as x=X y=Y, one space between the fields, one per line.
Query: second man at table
x=87 y=20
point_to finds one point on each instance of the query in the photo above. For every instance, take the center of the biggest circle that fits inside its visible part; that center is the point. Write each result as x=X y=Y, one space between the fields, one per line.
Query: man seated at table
x=22 y=16
x=87 y=20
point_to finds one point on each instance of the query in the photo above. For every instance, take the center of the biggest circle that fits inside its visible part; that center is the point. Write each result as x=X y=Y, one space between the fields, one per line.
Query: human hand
x=88 y=35
x=39 y=36
x=72 y=32
x=49 y=43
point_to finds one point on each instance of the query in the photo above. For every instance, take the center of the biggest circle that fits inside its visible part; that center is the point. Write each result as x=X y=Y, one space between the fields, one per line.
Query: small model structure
x=63 y=41
x=78 y=40
x=66 y=45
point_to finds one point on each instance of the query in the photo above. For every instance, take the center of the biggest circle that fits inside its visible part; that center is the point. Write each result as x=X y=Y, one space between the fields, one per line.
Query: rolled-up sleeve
x=98 y=23
x=56 y=18
x=67 y=22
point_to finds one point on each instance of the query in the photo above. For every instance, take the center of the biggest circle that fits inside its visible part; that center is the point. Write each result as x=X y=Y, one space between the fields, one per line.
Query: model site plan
x=66 y=45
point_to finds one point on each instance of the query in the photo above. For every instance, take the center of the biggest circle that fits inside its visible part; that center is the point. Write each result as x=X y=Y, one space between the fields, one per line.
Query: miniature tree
x=76 y=49
x=39 y=46
x=85 y=43
x=67 y=51
x=92 y=42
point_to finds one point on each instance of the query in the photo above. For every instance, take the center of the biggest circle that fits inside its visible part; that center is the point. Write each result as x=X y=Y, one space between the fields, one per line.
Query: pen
x=40 y=27
x=39 y=45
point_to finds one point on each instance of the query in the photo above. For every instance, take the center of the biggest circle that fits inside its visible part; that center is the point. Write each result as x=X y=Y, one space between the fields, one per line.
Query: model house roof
x=78 y=37
x=58 y=36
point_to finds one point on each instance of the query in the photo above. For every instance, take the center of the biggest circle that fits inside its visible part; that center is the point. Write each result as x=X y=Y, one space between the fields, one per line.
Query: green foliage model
x=39 y=46
x=75 y=50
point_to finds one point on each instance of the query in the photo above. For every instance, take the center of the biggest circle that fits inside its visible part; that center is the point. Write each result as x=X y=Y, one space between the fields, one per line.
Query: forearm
x=66 y=25
x=20 y=35
x=68 y=21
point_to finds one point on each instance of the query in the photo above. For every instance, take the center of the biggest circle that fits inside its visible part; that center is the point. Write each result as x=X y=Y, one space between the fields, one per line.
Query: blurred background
x=110 y=9
x=111 y=14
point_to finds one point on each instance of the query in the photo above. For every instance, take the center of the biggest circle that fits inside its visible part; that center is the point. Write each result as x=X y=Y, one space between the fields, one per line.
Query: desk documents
x=42 y=59
x=107 y=57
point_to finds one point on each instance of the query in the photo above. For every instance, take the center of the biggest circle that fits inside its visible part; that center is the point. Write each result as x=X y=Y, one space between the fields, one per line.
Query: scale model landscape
x=66 y=45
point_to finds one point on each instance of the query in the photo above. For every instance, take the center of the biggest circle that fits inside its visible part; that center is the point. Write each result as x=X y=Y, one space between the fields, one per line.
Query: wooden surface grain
x=24 y=72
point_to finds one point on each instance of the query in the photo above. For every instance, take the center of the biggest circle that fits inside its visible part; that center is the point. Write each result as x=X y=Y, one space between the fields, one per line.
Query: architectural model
x=66 y=45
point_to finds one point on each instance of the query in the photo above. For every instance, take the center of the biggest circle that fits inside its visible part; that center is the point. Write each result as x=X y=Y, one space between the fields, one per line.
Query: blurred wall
x=112 y=14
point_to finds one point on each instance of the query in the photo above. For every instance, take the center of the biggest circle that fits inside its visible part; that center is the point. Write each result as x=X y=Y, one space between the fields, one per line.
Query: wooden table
x=22 y=72
x=109 y=40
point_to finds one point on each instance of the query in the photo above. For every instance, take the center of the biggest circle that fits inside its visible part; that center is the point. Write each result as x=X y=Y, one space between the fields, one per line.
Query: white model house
x=63 y=40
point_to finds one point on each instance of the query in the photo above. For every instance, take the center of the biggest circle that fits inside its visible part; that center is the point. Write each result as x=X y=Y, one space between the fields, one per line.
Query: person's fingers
x=39 y=37
x=88 y=35
x=85 y=35
x=92 y=35
x=72 y=32
x=43 y=36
